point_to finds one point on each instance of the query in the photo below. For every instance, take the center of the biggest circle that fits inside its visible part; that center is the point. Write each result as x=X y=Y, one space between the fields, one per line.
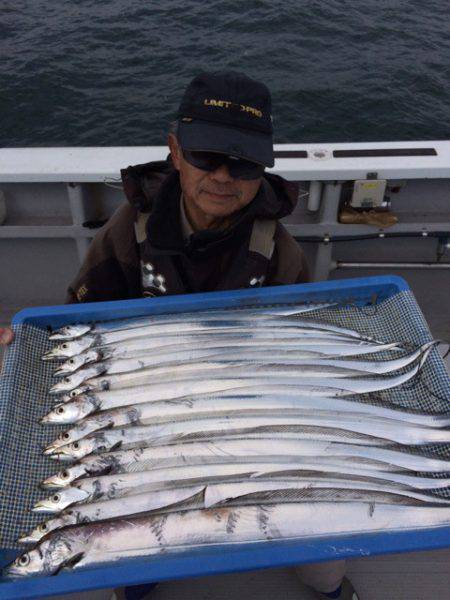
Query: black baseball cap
x=227 y=112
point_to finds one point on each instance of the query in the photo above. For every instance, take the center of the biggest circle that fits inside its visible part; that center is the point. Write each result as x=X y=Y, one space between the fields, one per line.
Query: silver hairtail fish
x=268 y=489
x=263 y=449
x=238 y=357
x=309 y=375
x=208 y=423
x=135 y=437
x=224 y=348
x=107 y=542
x=74 y=331
x=170 y=339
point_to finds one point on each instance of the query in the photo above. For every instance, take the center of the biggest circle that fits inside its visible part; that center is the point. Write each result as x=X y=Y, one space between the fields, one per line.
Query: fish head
x=70 y=332
x=64 y=438
x=50 y=556
x=60 y=500
x=70 y=382
x=78 y=391
x=64 y=477
x=73 y=451
x=80 y=360
x=29 y=563
x=73 y=411
x=70 y=348
x=41 y=531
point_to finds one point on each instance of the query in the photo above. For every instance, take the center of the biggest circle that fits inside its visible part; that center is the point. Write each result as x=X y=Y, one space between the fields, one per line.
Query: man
x=206 y=219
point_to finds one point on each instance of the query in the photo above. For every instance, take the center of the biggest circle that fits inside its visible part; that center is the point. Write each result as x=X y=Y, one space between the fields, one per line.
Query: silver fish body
x=208 y=423
x=266 y=489
x=73 y=347
x=111 y=509
x=254 y=426
x=225 y=347
x=73 y=331
x=284 y=397
x=245 y=369
x=315 y=456
x=126 y=484
x=135 y=437
x=325 y=376
x=175 y=341
x=238 y=450
x=142 y=536
x=238 y=358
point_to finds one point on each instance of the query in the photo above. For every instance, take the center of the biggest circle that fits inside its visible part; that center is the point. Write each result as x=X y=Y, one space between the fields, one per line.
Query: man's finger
x=6 y=335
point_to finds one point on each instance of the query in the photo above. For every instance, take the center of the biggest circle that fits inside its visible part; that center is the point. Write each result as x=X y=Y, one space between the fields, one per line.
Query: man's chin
x=219 y=208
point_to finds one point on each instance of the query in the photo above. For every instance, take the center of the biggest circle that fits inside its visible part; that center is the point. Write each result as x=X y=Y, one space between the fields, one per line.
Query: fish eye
x=60 y=410
x=66 y=436
x=56 y=498
x=43 y=527
x=65 y=474
x=23 y=560
x=76 y=445
x=67 y=379
x=73 y=394
x=71 y=361
x=64 y=346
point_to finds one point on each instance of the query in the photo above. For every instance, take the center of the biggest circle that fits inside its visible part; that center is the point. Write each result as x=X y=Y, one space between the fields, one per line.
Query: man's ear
x=175 y=150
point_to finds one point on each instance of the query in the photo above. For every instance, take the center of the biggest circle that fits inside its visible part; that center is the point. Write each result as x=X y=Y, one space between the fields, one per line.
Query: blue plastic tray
x=221 y=559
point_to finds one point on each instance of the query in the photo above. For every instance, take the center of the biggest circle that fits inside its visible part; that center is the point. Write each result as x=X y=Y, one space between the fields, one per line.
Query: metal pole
x=330 y=203
x=390 y=265
x=76 y=200
x=328 y=217
x=2 y=207
x=314 y=196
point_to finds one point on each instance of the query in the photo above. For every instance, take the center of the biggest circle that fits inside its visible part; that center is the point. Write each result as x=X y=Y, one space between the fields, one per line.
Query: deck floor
x=412 y=576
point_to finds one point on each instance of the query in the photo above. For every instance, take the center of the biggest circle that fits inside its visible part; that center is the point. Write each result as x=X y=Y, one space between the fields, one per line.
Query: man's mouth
x=220 y=194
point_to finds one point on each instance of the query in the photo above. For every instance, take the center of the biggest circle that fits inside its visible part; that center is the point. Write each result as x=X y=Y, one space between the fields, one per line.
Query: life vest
x=160 y=277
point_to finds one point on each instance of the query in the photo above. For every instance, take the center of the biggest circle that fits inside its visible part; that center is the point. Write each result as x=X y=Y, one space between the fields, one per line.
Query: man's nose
x=222 y=174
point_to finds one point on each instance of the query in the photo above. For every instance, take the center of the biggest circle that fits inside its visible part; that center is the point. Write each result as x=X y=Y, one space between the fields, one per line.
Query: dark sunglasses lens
x=244 y=169
x=210 y=161
x=206 y=161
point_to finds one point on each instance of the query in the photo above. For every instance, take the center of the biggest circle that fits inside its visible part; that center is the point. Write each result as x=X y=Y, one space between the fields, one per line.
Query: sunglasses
x=238 y=168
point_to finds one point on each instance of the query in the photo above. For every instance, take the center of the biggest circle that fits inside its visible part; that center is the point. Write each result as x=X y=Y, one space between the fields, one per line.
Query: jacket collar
x=155 y=187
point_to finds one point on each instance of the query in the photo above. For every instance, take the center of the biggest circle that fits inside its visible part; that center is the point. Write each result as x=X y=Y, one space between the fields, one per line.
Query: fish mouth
x=29 y=539
x=52 y=355
x=61 y=386
x=54 y=447
x=63 y=371
x=12 y=571
x=53 y=483
x=70 y=332
x=50 y=418
x=58 y=455
x=42 y=507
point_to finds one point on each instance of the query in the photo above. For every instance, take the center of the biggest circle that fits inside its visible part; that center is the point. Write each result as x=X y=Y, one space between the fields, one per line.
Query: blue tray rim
x=311 y=292
x=238 y=558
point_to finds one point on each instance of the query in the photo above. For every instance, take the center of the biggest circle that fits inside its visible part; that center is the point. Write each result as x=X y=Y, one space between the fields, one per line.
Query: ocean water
x=88 y=73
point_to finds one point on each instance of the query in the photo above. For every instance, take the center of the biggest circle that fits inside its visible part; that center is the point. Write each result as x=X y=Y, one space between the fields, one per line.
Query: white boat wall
x=52 y=201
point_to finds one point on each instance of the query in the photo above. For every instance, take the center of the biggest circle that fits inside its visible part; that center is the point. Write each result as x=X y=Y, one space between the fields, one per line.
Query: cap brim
x=209 y=137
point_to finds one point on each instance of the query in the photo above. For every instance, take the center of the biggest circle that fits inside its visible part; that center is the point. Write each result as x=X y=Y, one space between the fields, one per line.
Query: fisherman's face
x=214 y=194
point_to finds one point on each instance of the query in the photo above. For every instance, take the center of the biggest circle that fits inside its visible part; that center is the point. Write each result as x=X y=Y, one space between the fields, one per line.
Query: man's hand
x=6 y=336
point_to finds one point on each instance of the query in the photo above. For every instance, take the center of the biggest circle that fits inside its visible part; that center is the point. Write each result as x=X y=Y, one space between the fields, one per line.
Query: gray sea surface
x=91 y=73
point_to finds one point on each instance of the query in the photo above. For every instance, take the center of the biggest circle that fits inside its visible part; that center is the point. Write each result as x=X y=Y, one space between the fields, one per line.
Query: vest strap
x=261 y=240
x=140 y=226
